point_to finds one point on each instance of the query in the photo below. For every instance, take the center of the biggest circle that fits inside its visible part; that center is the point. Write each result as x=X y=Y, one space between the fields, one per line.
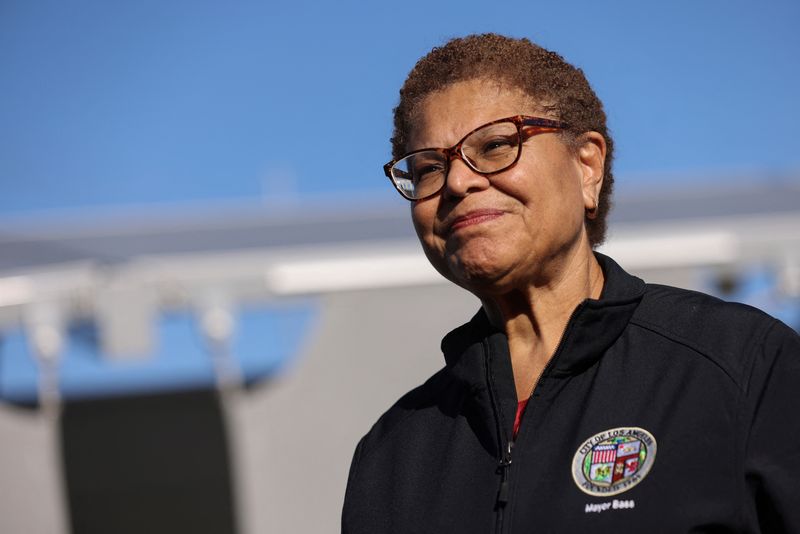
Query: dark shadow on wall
x=157 y=464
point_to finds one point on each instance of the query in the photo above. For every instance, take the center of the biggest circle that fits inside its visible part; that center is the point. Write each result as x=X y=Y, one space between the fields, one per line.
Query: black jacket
x=692 y=403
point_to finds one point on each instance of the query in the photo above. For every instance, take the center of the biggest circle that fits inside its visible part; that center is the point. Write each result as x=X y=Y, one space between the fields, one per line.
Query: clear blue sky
x=107 y=103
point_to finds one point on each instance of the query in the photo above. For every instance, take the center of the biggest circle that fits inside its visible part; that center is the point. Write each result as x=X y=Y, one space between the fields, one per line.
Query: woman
x=578 y=397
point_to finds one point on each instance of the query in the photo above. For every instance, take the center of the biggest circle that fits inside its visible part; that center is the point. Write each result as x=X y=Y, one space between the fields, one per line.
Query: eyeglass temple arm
x=545 y=123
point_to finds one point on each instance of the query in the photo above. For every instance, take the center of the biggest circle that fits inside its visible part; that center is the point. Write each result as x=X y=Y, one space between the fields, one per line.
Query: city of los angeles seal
x=613 y=461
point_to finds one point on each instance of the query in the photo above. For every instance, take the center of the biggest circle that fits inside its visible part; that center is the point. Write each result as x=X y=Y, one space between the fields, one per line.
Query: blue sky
x=151 y=102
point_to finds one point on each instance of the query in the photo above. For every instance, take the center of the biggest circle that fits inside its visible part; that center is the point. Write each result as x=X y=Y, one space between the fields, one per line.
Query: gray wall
x=296 y=436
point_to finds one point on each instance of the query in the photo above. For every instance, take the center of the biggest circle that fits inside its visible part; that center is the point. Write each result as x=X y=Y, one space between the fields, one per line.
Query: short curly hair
x=559 y=88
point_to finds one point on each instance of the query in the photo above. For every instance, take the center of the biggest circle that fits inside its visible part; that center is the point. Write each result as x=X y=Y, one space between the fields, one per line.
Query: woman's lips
x=473 y=218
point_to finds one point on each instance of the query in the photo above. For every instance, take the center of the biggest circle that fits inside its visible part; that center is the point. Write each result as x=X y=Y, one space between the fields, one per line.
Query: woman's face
x=520 y=227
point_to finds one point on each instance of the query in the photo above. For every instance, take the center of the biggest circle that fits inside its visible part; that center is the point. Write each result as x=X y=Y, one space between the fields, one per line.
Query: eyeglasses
x=487 y=150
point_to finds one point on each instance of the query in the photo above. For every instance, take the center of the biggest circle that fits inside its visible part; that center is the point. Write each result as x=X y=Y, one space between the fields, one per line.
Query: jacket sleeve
x=347 y=509
x=772 y=445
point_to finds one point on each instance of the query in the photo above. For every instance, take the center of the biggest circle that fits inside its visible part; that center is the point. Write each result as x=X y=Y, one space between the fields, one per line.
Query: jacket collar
x=595 y=325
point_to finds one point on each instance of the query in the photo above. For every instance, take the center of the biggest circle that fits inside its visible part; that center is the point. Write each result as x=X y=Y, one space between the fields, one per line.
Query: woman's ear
x=592 y=158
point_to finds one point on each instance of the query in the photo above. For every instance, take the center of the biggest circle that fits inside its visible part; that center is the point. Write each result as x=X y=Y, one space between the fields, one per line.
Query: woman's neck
x=534 y=316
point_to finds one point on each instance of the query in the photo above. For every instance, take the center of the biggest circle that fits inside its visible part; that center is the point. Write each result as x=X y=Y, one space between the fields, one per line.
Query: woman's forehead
x=444 y=116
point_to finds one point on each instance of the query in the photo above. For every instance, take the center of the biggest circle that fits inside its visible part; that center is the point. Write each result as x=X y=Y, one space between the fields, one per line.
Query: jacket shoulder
x=727 y=333
x=436 y=392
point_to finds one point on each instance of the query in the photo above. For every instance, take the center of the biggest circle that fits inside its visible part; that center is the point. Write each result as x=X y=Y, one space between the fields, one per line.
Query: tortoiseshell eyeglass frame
x=538 y=125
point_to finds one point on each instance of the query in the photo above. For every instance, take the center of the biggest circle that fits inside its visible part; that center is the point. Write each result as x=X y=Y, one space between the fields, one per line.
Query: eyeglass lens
x=489 y=149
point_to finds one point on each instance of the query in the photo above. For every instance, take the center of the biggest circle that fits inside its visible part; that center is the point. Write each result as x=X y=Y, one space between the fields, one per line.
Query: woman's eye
x=497 y=144
x=425 y=171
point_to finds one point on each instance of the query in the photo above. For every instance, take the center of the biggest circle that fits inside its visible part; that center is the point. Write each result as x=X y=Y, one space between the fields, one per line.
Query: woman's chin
x=473 y=275
x=473 y=265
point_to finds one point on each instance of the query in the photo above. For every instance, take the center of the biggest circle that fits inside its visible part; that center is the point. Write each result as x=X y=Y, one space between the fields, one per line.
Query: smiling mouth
x=473 y=218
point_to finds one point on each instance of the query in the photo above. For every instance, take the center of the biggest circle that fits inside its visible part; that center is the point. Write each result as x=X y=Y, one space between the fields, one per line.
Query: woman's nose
x=461 y=180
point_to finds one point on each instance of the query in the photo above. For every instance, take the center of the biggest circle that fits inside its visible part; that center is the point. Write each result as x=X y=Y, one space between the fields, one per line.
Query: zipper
x=503 y=492
x=504 y=466
x=503 y=445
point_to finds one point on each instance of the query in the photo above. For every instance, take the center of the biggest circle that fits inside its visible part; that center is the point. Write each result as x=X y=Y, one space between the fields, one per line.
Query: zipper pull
x=505 y=465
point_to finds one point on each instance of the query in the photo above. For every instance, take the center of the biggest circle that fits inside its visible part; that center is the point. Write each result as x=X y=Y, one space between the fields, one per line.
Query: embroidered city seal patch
x=613 y=461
